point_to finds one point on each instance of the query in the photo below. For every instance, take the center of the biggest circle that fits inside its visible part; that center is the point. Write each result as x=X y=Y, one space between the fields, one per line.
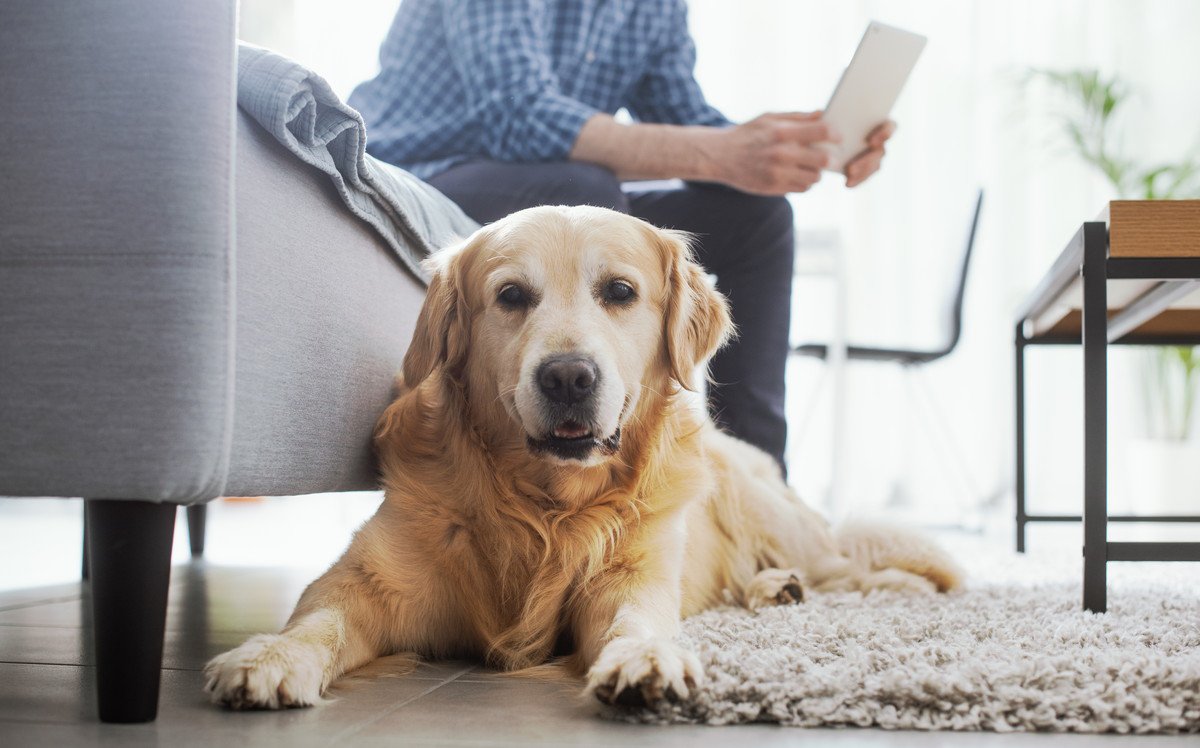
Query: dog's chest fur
x=512 y=543
x=527 y=565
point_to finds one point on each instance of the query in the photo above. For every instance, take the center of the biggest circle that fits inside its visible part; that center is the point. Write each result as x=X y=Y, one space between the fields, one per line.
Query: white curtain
x=965 y=118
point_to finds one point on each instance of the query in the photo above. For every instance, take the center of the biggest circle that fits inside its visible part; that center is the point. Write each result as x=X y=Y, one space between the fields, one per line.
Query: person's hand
x=867 y=163
x=774 y=154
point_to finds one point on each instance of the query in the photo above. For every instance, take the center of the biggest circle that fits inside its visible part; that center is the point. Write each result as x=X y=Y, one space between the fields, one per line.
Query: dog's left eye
x=619 y=292
x=513 y=296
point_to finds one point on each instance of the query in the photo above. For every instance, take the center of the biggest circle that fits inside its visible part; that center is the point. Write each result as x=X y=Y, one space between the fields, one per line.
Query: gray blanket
x=299 y=108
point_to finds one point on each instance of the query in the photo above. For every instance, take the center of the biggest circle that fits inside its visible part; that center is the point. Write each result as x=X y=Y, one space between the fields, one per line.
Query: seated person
x=507 y=104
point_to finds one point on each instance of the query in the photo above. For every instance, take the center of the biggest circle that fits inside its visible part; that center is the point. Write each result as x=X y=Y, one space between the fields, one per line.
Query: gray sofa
x=186 y=311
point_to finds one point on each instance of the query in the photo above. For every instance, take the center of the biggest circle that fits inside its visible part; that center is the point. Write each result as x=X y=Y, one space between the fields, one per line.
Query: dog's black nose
x=567 y=379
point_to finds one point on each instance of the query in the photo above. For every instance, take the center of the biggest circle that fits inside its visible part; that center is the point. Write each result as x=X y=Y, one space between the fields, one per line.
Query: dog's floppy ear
x=697 y=321
x=440 y=337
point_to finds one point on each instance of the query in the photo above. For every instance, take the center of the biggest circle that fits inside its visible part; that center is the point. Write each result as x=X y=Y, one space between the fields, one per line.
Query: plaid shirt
x=515 y=80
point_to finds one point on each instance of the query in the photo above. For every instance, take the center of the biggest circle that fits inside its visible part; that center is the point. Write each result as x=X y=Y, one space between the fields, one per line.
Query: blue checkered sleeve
x=668 y=92
x=499 y=49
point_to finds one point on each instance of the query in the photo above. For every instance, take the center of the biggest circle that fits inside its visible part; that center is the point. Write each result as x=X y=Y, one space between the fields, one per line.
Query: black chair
x=911 y=359
x=908 y=357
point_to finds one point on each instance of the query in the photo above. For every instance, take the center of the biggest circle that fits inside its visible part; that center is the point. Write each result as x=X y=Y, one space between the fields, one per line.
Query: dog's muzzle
x=568 y=385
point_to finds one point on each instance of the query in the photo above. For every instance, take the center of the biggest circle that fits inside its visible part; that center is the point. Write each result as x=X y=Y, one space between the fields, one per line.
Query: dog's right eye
x=513 y=297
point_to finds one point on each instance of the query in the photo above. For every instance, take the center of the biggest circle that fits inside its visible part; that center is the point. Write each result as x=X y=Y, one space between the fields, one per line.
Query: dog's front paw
x=774 y=587
x=269 y=671
x=641 y=672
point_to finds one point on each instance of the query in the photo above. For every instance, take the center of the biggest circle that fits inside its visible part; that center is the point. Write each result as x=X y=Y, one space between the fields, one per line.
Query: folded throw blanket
x=299 y=108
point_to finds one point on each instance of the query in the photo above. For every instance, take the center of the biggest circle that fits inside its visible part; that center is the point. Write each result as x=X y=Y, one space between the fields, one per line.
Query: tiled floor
x=47 y=695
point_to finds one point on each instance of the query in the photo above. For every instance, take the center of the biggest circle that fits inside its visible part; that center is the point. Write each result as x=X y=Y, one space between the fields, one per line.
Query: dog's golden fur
x=486 y=548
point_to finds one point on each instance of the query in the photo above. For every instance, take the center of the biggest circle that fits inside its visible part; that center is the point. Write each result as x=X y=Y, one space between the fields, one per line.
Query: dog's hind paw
x=269 y=671
x=774 y=587
x=642 y=672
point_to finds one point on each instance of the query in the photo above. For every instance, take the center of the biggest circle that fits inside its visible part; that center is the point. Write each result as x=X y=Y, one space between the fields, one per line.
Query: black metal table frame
x=1087 y=255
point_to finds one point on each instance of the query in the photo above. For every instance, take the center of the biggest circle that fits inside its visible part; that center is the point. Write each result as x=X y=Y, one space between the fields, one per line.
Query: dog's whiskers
x=506 y=391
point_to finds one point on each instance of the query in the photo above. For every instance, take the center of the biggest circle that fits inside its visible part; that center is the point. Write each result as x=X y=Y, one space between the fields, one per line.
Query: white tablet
x=869 y=87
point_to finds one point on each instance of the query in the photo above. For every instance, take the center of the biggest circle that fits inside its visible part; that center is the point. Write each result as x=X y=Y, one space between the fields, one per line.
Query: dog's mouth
x=571 y=440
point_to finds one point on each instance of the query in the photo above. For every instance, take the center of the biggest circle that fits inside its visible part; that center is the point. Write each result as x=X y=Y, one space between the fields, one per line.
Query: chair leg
x=810 y=409
x=940 y=427
x=197 y=514
x=1021 y=517
x=130 y=564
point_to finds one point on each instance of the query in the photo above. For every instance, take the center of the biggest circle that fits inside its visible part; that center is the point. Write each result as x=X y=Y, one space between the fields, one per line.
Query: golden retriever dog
x=553 y=487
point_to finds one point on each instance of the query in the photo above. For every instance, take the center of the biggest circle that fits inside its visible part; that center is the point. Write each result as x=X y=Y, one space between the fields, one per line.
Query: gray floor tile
x=46 y=693
x=234 y=599
x=529 y=713
x=440 y=703
x=220 y=598
x=483 y=674
x=43 y=700
x=51 y=646
x=182 y=650
x=10 y=599
x=55 y=705
x=77 y=613
x=390 y=667
x=74 y=612
x=189 y=649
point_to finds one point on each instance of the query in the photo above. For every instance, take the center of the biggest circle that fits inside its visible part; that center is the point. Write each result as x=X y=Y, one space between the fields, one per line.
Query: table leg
x=1095 y=417
x=1020 y=446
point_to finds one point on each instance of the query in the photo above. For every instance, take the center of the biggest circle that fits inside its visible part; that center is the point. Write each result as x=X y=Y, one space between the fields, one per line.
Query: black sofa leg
x=84 y=571
x=196 y=516
x=129 y=545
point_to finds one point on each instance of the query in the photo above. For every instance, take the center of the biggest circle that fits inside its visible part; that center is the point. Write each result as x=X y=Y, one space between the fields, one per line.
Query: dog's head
x=566 y=318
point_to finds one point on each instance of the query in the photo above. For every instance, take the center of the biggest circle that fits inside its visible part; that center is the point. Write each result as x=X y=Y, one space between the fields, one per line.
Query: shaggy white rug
x=1012 y=651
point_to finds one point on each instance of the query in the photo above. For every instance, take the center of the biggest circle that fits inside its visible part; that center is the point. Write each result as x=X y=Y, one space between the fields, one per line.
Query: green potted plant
x=1165 y=466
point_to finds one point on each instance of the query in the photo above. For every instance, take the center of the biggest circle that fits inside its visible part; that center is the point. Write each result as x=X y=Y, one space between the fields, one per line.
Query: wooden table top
x=1137 y=230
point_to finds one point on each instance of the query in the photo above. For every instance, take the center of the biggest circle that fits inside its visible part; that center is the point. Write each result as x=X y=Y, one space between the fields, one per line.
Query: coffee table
x=1131 y=277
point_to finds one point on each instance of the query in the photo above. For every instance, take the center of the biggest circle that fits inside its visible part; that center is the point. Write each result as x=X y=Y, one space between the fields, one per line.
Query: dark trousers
x=745 y=240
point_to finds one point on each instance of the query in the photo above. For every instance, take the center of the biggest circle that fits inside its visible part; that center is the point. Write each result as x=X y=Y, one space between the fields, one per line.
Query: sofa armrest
x=116 y=247
x=325 y=314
